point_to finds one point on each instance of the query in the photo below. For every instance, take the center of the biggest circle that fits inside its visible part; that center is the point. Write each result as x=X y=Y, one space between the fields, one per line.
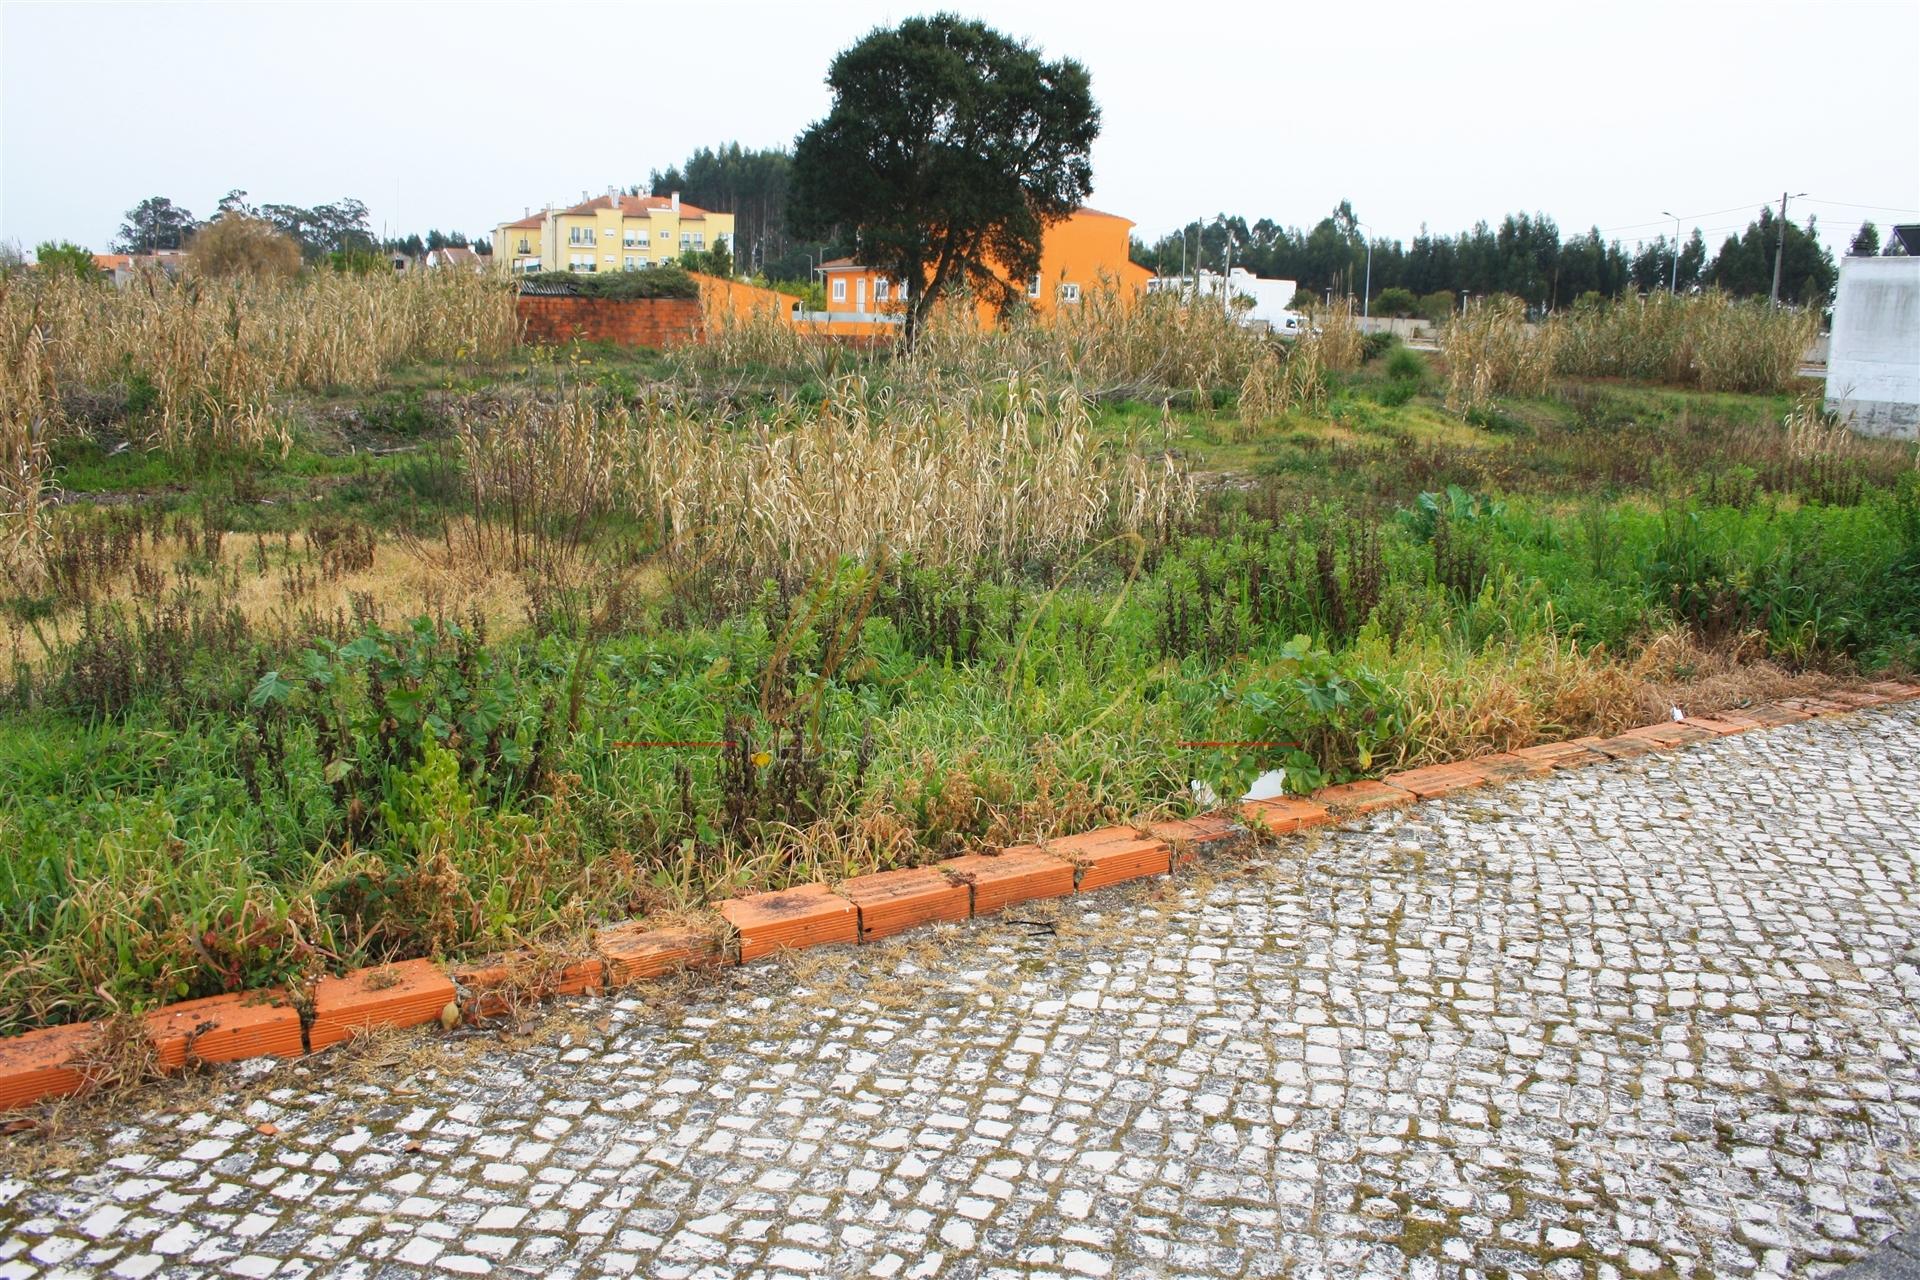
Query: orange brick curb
x=409 y=994
x=51 y=1061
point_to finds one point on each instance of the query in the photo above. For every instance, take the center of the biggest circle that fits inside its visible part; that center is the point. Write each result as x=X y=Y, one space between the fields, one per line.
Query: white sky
x=460 y=115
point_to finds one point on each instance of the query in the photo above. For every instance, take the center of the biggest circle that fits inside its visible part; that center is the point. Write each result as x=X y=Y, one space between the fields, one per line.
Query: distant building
x=123 y=267
x=611 y=233
x=1259 y=302
x=453 y=255
x=1873 y=364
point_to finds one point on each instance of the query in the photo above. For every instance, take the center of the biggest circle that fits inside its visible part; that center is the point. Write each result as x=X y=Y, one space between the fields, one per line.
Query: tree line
x=335 y=230
x=1526 y=255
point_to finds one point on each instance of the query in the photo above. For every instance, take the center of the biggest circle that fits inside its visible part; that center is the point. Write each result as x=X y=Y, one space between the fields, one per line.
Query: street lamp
x=1674 y=287
x=1463 y=302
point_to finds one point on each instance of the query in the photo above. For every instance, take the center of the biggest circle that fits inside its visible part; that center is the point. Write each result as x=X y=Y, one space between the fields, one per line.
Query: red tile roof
x=534 y=221
x=637 y=206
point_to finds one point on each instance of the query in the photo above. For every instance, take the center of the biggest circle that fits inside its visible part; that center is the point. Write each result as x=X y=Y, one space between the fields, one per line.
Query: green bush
x=1436 y=307
x=1405 y=365
x=656 y=282
x=1396 y=302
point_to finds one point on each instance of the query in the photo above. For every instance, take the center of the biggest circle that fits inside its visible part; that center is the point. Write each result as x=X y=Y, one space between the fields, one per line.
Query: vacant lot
x=340 y=628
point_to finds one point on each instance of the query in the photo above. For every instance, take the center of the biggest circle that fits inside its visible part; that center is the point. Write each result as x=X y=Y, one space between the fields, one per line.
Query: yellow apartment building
x=610 y=233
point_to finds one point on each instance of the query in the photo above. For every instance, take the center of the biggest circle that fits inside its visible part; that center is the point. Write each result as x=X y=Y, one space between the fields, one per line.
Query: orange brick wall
x=638 y=322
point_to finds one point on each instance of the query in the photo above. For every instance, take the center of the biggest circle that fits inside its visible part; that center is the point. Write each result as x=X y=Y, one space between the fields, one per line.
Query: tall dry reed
x=1491 y=350
x=1007 y=470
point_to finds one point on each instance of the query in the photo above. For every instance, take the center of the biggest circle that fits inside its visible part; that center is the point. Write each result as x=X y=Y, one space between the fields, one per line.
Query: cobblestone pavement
x=1655 y=1018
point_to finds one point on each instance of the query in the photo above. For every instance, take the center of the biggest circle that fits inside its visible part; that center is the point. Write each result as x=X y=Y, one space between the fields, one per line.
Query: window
x=580 y=262
x=580 y=235
x=880 y=290
x=635 y=238
x=840 y=290
x=686 y=239
x=527 y=264
x=699 y=239
x=1033 y=287
x=1069 y=294
x=526 y=246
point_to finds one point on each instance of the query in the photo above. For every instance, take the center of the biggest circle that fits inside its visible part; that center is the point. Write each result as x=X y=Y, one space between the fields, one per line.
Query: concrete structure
x=610 y=233
x=1261 y=303
x=1873 y=369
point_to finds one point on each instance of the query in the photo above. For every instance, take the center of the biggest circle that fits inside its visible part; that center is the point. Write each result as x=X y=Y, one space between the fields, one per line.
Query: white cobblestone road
x=1656 y=1018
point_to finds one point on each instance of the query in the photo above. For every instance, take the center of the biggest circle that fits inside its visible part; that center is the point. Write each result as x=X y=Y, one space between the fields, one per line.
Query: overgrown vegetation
x=669 y=281
x=462 y=647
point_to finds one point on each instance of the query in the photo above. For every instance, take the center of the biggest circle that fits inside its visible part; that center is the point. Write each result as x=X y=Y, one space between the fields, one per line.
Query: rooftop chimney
x=676 y=202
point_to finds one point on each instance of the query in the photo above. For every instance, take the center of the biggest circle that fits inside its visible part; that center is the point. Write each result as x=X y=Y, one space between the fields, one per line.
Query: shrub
x=236 y=245
x=1436 y=307
x=65 y=258
x=1396 y=302
x=656 y=282
x=1405 y=365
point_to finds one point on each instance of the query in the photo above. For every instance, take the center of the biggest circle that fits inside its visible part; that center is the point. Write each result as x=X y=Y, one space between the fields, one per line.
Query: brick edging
x=54 y=1061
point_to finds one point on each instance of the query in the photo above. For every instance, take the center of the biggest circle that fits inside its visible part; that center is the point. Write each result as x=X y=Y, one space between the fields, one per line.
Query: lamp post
x=1674 y=287
x=1463 y=302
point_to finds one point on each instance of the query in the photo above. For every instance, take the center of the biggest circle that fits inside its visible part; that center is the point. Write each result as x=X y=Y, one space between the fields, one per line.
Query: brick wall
x=639 y=322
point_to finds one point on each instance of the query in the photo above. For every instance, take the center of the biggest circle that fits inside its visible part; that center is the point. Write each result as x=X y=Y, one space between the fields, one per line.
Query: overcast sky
x=459 y=116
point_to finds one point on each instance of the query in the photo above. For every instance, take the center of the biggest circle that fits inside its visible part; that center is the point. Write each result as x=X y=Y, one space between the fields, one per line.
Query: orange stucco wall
x=1088 y=249
x=741 y=300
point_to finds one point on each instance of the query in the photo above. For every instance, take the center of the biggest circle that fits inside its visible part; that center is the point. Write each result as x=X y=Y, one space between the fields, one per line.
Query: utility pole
x=1780 y=249
x=1674 y=287
x=1366 y=291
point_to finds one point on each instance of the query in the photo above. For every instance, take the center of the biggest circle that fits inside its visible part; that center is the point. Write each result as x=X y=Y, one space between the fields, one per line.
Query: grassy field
x=474 y=646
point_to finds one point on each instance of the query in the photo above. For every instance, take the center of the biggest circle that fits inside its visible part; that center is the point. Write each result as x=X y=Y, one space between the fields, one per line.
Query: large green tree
x=948 y=151
x=153 y=224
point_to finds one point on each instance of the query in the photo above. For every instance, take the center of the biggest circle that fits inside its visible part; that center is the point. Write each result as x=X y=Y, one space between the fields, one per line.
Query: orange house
x=1079 y=256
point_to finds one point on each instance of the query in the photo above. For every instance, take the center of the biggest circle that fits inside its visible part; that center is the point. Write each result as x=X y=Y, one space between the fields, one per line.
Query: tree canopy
x=67 y=258
x=749 y=184
x=948 y=151
x=155 y=223
x=1524 y=254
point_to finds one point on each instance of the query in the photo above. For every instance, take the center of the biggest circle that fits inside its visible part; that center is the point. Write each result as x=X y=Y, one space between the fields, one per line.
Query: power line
x=1661 y=222
x=1847 y=204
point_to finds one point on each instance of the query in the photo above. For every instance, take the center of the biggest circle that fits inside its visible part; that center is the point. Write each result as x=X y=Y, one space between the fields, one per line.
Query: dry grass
x=990 y=473
x=206 y=358
x=1708 y=341
x=1492 y=351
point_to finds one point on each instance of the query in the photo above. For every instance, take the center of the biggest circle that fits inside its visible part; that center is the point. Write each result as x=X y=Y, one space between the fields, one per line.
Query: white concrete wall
x=1873 y=369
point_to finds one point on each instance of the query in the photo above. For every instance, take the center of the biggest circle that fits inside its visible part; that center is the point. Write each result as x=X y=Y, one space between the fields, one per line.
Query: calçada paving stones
x=1655 y=1017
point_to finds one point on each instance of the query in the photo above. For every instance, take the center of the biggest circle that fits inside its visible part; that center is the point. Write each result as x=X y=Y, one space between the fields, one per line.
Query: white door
x=860 y=296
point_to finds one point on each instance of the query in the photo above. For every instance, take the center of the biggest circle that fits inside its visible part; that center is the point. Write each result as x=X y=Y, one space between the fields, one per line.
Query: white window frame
x=880 y=289
x=1069 y=294
x=839 y=288
x=580 y=235
x=1033 y=286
